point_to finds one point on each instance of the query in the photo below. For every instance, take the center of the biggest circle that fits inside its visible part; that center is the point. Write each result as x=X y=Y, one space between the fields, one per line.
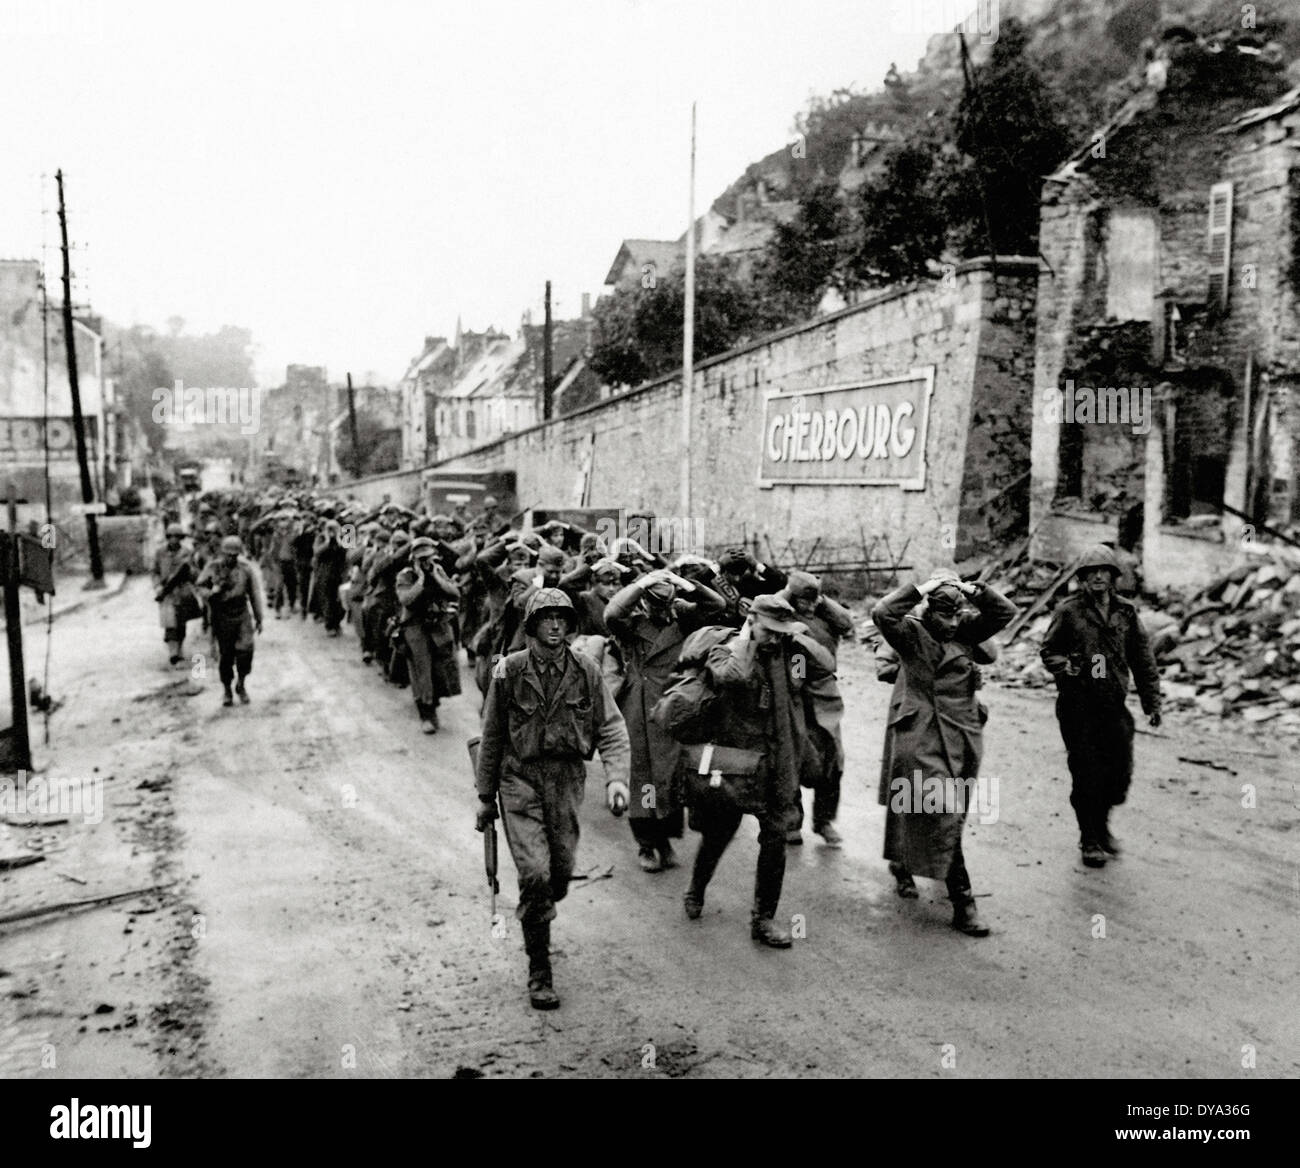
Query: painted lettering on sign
x=23 y=440
x=868 y=433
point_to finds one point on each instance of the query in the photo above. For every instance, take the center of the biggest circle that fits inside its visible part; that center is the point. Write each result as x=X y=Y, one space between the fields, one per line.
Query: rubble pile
x=1232 y=649
x=1018 y=663
x=1239 y=649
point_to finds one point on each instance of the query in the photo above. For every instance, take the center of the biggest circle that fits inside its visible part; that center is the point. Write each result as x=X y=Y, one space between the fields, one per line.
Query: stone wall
x=975 y=330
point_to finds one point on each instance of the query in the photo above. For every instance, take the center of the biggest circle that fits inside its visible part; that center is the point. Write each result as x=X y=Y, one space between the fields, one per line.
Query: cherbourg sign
x=863 y=433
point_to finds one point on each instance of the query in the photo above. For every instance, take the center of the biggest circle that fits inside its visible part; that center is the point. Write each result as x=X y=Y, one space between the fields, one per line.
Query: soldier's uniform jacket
x=746 y=717
x=520 y=726
x=232 y=592
x=423 y=601
x=1102 y=651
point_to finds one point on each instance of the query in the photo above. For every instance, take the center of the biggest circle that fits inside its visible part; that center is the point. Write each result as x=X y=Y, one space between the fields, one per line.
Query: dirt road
x=327 y=914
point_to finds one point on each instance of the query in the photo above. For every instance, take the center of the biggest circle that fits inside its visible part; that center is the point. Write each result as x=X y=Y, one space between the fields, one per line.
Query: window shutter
x=1220 y=242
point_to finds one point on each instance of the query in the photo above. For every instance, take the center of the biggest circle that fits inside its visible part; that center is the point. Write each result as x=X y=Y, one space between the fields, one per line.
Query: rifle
x=489 y=837
x=174 y=579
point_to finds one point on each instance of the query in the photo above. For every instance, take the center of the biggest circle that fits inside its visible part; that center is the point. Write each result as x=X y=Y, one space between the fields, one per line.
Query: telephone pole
x=352 y=424
x=78 y=421
x=688 y=339
x=548 y=404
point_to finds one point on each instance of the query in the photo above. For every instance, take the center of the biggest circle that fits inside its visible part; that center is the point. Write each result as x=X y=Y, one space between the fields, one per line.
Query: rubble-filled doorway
x=1198 y=465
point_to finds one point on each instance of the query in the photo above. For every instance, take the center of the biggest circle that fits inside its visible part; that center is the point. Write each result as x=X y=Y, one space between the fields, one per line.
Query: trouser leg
x=524 y=823
x=421 y=663
x=717 y=826
x=958 y=879
x=826 y=798
x=770 y=874
x=331 y=606
x=226 y=656
x=1085 y=751
x=563 y=799
x=649 y=832
x=243 y=663
x=541 y=826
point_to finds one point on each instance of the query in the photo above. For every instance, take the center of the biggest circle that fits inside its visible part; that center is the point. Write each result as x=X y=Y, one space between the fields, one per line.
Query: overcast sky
x=344 y=178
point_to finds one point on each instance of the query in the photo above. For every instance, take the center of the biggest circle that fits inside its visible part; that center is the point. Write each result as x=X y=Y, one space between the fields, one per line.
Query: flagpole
x=688 y=339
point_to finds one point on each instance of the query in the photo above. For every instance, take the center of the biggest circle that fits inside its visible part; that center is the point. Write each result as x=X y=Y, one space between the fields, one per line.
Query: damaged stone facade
x=1170 y=275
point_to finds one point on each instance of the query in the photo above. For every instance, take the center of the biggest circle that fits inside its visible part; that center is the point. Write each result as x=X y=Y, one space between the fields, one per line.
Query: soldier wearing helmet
x=1093 y=643
x=173 y=576
x=232 y=588
x=548 y=710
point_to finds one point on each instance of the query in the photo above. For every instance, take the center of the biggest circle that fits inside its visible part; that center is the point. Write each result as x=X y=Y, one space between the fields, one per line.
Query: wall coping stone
x=1017 y=264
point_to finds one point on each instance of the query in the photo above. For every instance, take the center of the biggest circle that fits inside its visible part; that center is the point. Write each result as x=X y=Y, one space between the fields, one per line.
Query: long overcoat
x=935 y=727
x=649 y=654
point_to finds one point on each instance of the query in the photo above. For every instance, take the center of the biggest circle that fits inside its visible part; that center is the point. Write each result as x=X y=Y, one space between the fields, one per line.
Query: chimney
x=586 y=305
x=761 y=190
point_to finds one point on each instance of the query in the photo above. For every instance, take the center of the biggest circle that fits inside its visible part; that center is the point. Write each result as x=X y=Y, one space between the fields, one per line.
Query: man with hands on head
x=650 y=618
x=935 y=734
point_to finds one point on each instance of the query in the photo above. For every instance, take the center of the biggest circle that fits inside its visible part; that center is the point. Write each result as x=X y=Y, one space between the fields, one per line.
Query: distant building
x=486 y=385
x=293 y=440
x=644 y=261
x=29 y=423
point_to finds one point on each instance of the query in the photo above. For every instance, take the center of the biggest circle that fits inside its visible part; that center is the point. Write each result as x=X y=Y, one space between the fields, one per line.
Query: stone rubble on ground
x=1231 y=650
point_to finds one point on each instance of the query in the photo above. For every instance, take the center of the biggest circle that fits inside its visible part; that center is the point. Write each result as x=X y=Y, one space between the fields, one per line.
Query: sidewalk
x=71 y=595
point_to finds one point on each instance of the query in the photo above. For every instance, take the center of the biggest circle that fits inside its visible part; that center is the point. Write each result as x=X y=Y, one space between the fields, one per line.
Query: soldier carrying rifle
x=548 y=711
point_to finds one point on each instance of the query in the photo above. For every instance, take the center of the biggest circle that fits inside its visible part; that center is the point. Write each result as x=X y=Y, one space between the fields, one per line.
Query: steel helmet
x=546 y=600
x=232 y=543
x=1098 y=556
x=175 y=529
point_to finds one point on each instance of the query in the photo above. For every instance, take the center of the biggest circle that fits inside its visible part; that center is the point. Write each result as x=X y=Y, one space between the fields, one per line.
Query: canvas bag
x=725 y=775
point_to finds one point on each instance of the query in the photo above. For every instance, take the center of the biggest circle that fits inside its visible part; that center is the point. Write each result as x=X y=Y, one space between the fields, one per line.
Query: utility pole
x=352 y=423
x=688 y=339
x=78 y=422
x=21 y=750
x=548 y=405
x=977 y=113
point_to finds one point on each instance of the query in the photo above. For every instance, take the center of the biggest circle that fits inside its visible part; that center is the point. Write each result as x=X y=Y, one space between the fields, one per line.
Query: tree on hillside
x=801 y=259
x=638 y=330
x=1010 y=132
x=897 y=228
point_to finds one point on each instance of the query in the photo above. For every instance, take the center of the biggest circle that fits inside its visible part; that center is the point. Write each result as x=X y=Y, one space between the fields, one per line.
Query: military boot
x=1109 y=844
x=537 y=943
x=766 y=930
x=966 y=919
